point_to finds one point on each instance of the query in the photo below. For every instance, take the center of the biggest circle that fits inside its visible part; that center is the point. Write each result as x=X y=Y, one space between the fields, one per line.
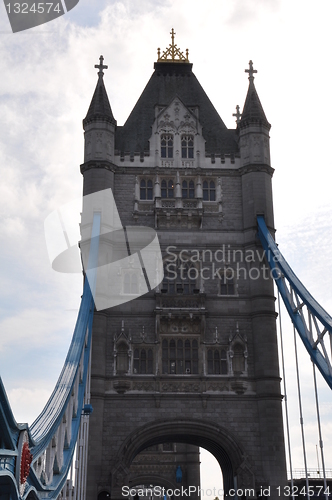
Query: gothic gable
x=178 y=120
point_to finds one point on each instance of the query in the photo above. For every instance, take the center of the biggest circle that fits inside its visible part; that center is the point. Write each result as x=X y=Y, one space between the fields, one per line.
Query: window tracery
x=167 y=188
x=226 y=283
x=143 y=361
x=166 y=146
x=217 y=362
x=180 y=277
x=187 y=146
x=180 y=357
x=188 y=189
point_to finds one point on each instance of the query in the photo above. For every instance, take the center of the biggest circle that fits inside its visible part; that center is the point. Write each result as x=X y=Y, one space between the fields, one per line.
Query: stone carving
x=119 y=476
x=245 y=476
x=185 y=303
x=143 y=386
x=180 y=387
x=218 y=387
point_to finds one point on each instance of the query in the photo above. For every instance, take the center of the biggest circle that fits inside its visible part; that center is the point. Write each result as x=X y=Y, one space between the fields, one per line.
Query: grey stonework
x=229 y=404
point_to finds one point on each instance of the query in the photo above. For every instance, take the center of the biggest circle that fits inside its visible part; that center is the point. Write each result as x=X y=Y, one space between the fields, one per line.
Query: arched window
x=166 y=146
x=209 y=191
x=180 y=277
x=217 y=362
x=143 y=361
x=180 y=357
x=122 y=361
x=226 y=283
x=187 y=146
x=146 y=191
x=188 y=189
x=167 y=188
x=130 y=284
x=238 y=359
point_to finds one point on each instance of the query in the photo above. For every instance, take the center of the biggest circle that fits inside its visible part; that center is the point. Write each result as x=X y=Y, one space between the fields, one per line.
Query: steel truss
x=311 y=321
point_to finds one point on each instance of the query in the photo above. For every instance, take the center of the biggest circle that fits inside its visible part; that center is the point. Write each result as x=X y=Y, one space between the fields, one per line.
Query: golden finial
x=173 y=53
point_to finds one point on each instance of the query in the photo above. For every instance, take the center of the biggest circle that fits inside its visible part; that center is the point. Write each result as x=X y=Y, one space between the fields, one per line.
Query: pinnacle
x=253 y=112
x=100 y=108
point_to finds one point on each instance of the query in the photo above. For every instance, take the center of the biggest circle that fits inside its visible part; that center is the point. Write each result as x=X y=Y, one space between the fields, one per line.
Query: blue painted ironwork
x=57 y=427
x=312 y=322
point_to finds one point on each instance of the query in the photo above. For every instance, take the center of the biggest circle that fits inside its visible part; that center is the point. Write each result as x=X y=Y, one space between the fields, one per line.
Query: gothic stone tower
x=193 y=361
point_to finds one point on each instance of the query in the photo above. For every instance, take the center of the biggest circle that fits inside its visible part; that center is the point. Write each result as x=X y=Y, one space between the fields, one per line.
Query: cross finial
x=237 y=114
x=173 y=46
x=173 y=33
x=101 y=66
x=251 y=71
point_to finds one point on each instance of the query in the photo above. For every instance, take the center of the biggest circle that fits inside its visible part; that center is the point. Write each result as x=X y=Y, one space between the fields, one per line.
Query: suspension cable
x=285 y=397
x=301 y=415
x=320 y=432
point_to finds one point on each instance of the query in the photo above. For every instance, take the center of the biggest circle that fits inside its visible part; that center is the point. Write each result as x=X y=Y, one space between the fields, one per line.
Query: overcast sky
x=48 y=79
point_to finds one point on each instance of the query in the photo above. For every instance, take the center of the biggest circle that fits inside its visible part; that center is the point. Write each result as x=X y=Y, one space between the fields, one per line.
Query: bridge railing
x=312 y=474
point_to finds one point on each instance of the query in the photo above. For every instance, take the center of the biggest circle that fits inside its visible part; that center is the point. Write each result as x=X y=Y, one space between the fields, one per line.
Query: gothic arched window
x=166 y=146
x=188 y=189
x=130 y=284
x=180 y=357
x=167 y=188
x=146 y=190
x=209 y=191
x=122 y=361
x=187 y=146
x=180 y=277
x=238 y=359
x=217 y=362
x=226 y=283
x=143 y=361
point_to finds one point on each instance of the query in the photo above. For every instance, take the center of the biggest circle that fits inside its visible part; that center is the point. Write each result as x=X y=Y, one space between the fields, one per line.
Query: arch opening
x=168 y=470
x=213 y=438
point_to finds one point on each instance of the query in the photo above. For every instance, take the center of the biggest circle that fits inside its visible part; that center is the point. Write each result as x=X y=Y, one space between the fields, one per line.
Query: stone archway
x=217 y=440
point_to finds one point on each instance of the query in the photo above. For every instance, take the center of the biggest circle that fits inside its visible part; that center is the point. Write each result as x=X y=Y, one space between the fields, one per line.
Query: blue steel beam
x=317 y=326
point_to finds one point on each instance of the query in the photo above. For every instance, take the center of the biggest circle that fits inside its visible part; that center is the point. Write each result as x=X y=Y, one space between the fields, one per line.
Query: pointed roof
x=253 y=112
x=171 y=79
x=100 y=108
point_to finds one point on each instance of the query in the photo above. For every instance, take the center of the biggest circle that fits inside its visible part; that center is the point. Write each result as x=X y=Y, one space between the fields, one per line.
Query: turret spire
x=253 y=112
x=100 y=108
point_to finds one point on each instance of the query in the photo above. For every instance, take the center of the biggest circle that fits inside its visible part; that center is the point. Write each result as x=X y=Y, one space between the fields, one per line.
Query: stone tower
x=194 y=361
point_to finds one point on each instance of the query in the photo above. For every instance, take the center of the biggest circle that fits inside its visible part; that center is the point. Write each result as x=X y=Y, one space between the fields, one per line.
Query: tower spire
x=100 y=108
x=253 y=112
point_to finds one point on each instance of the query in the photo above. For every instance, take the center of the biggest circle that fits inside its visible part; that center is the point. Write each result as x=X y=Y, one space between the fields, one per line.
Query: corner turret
x=254 y=142
x=99 y=136
x=253 y=127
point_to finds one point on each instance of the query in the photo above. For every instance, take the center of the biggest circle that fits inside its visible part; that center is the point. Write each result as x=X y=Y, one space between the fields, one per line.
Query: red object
x=26 y=460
